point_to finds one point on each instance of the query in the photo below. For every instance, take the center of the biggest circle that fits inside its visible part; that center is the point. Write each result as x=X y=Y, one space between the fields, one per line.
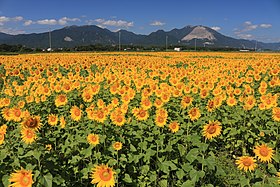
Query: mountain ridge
x=72 y=36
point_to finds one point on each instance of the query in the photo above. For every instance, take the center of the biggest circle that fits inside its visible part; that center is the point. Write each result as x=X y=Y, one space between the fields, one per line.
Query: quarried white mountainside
x=199 y=32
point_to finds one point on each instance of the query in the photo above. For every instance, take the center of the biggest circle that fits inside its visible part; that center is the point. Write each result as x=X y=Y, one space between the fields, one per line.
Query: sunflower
x=158 y=103
x=117 y=146
x=52 y=119
x=264 y=153
x=210 y=105
x=249 y=102
x=174 y=126
x=278 y=174
x=276 y=113
x=211 y=130
x=93 y=139
x=76 y=113
x=7 y=114
x=100 y=116
x=245 y=163
x=117 y=119
x=140 y=114
x=21 y=178
x=3 y=129
x=186 y=101
x=160 y=120
x=62 y=122
x=31 y=122
x=48 y=147
x=231 y=101
x=28 y=135
x=16 y=114
x=194 y=113
x=87 y=96
x=103 y=176
x=146 y=103
x=60 y=100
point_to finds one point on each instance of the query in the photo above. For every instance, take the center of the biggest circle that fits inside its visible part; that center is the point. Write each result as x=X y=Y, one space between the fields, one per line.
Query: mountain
x=72 y=36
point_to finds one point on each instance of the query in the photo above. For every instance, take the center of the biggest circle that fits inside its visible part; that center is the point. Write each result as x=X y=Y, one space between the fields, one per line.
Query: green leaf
x=258 y=184
x=188 y=183
x=127 y=178
x=163 y=183
x=187 y=167
x=203 y=146
x=244 y=181
x=170 y=164
x=37 y=155
x=196 y=175
x=3 y=154
x=145 y=169
x=180 y=174
x=208 y=185
x=271 y=168
x=48 y=180
x=210 y=163
x=132 y=148
x=5 y=180
x=192 y=155
x=164 y=168
x=182 y=149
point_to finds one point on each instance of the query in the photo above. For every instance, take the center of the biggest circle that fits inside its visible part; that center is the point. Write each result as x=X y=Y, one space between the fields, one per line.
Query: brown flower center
x=247 y=162
x=62 y=98
x=119 y=119
x=25 y=181
x=77 y=112
x=211 y=129
x=31 y=123
x=29 y=134
x=105 y=175
x=160 y=119
x=142 y=113
x=93 y=138
x=263 y=151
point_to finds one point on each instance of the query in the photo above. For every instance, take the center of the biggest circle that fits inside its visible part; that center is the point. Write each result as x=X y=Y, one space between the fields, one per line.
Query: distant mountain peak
x=72 y=36
x=199 y=32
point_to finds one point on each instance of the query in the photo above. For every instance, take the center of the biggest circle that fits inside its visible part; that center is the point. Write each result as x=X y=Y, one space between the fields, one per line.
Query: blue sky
x=248 y=19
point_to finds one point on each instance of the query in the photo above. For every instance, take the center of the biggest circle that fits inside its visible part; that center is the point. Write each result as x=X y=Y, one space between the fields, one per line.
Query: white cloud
x=4 y=19
x=248 y=26
x=99 y=20
x=47 y=22
x=118 y=23
x=61 y=21
x=245 y=36
x=115 y=23
x=18 y=18
x=28 y=22
x=265 y=25
x=11 y=31
x=157 y=23
x=65 y=20
x=216 y=28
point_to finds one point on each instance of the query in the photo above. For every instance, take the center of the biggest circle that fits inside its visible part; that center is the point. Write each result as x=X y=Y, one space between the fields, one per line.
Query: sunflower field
x=140 y=119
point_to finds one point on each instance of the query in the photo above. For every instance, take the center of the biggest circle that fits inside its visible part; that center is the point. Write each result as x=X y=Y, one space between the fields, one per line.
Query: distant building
x=177 y=49
x=243 y=50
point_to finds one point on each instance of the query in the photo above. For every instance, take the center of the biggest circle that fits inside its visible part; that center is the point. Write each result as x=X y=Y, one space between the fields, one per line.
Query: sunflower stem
x=117 y=168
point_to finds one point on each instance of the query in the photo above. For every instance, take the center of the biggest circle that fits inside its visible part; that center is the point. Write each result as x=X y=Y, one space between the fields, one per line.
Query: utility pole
x=119 y=40
x=50 y=39
x=195 y=44
x=256 y=45
x=166 y=39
